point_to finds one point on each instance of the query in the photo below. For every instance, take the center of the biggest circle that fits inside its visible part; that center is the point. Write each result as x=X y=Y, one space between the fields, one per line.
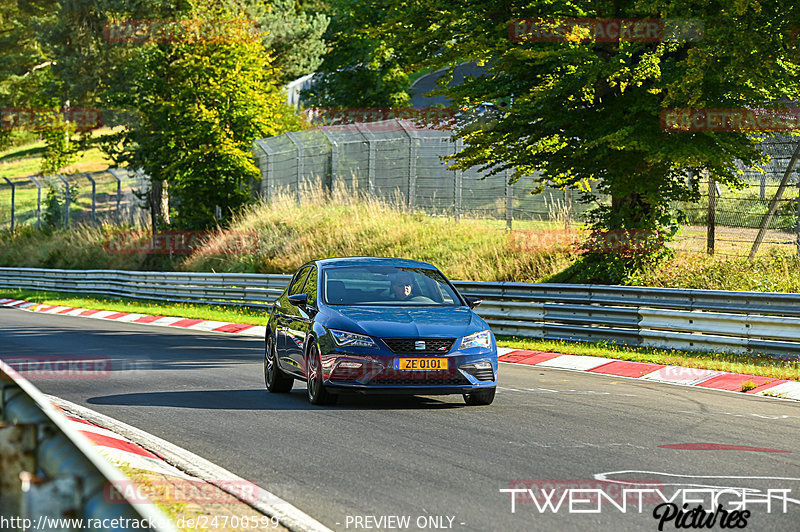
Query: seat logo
x=419 y=345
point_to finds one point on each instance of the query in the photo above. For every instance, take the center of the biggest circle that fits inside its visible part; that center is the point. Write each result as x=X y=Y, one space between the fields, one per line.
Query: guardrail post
x=94 y=194
x=67 y=200
x=13 y=201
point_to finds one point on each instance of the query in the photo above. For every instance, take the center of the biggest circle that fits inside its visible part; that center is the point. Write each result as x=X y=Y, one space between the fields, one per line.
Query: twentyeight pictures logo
x=672 y=507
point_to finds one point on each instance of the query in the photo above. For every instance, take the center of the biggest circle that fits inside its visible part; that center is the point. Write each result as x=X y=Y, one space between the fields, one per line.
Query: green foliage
x=361 y=69
x=61 y=149
x=55 y=203
x=612 y=268
x=587 y=112
x=293 y=33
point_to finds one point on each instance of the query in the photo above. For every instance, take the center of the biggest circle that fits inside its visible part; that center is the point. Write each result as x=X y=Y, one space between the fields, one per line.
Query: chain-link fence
x=66 y=200
x=727 y=221
x=395 y=158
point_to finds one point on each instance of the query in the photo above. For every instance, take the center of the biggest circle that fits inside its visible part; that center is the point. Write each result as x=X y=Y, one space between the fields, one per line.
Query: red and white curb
x=120 y=450
x=703 y=378
x=126 y=445
x=241 y=329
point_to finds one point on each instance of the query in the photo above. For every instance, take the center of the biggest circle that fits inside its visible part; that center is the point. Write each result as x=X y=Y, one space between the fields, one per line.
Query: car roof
x=373 y=261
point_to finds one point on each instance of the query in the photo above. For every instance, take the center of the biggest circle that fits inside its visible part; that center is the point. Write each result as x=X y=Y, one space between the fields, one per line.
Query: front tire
x=317 y=394
x=275 y=379
x=480 y=398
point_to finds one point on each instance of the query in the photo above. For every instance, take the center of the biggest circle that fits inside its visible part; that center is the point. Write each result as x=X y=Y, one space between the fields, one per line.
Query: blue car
x=378 y=325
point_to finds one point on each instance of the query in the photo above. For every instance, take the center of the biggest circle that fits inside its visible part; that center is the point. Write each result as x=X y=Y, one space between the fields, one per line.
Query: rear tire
x=480 y=398
x=275 y=379
x=317 y=394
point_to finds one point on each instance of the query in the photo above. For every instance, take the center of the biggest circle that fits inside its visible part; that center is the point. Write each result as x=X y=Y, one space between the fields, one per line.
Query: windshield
x=387 y=285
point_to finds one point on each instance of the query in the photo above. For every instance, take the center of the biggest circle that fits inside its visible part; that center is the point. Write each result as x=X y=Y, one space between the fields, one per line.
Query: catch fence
x=397 y=159
x=69 y=199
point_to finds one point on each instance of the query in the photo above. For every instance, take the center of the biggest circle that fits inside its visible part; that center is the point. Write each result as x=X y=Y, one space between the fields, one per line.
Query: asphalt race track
x=433 y=460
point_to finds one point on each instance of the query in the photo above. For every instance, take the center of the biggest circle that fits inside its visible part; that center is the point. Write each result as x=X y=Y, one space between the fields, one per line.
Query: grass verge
x=762 y=366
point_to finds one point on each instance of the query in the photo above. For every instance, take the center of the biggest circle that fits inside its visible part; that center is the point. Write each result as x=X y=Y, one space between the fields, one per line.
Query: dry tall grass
x=347 y=223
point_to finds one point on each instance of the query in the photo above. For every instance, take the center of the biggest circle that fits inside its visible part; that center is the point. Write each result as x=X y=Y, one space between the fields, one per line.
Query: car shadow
x=263 y=400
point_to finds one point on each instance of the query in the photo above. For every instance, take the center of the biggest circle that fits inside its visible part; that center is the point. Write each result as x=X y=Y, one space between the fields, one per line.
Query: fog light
x=483 y=364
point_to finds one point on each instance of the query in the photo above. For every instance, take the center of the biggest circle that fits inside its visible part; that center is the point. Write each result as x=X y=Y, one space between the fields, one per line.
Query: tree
x=202 y=103
x=587 y=113
x=293 y=33
x=361 y=69
x=197 y=101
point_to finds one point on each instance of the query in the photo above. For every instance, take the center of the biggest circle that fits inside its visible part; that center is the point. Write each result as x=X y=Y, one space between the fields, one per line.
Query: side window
x=297 y=284
x=310 y=287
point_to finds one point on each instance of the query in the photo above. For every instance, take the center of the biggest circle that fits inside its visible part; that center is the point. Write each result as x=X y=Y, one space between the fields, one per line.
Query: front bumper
x=377 y=374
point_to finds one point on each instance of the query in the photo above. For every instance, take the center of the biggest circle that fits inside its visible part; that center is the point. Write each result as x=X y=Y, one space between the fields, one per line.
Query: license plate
x=420 y=363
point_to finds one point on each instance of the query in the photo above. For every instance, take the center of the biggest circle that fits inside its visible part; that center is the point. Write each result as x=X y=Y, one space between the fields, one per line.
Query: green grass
x=26 y=159
x=760 y=366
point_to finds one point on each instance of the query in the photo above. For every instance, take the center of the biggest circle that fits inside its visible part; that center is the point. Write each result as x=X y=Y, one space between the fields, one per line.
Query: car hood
x=418 y=322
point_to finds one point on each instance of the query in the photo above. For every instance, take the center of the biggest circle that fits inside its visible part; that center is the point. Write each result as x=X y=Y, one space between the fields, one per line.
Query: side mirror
x=299 y=300
x=473 y=301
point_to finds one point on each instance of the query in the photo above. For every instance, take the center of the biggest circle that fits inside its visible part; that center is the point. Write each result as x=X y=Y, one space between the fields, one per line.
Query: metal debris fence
x=395 y=158
x=70 y=199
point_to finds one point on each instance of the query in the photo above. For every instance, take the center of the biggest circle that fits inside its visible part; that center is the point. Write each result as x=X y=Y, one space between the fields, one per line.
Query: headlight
x=348 y=339
x=479 y=339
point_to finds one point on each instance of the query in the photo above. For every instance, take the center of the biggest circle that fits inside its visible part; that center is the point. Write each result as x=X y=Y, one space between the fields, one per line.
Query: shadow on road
x=263 y=400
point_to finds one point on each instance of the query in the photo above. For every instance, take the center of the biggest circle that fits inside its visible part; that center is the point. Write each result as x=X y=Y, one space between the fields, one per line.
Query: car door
x=301 y=321
x=285 y=314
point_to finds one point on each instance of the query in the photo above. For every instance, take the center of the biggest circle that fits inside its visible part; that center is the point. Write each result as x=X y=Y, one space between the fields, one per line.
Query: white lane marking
x=761 y=416
x=572 y=392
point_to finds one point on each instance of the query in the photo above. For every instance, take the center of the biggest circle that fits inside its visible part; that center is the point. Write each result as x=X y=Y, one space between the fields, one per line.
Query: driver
x=402 y=286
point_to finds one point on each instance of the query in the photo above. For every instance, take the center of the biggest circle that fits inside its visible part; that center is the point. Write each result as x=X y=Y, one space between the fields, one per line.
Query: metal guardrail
x=742 y=322
x=51 y=473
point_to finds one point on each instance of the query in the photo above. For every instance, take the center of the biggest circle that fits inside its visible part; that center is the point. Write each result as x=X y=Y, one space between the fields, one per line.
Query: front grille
x=481 y=374
x=447 y=380
x=407 y=346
